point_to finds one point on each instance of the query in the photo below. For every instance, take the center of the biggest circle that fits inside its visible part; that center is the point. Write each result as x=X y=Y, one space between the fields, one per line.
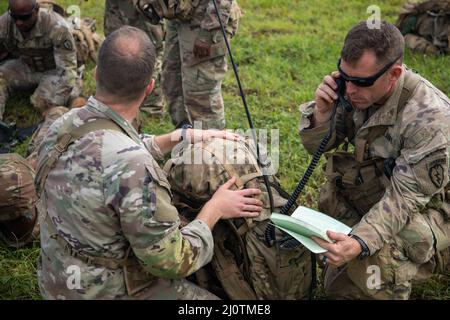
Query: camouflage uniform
x=192 y=86
x=46 y=61
x=119 y=13
x=17 y=200
x=18 y=223
x=245 y=266
x=426 y=26
x=38 y=136
x=400 y=207
x=105 y=209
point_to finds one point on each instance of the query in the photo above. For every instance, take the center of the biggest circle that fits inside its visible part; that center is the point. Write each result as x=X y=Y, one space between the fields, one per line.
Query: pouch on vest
x=362 y=184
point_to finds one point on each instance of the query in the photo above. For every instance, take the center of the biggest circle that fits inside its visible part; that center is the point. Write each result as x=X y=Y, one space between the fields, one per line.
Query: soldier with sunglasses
x=40 y=55
x=393 y=188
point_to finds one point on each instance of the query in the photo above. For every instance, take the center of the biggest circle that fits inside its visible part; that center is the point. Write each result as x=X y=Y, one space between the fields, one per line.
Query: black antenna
x=244 y=101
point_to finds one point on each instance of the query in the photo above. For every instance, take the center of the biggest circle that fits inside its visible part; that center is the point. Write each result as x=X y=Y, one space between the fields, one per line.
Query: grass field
x=283 y=50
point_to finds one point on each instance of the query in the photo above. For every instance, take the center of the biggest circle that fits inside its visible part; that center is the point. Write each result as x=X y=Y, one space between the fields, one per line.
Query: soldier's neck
x=128 y=111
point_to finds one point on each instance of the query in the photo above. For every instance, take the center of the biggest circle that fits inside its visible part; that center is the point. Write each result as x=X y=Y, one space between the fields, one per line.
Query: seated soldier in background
x=426 y=26
x=40 y=55
x=243 y=265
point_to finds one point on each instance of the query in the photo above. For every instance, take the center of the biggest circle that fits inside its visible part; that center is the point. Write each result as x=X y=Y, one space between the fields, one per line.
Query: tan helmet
x=17 y=201
x=244 y=266
x=195 y=172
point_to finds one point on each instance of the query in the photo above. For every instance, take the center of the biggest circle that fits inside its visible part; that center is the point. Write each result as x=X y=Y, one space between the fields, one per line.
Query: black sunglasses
x=364 y=82
x=23 y=17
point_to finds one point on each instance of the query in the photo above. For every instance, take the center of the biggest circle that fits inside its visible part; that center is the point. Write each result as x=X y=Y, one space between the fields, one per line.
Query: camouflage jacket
x=202 y=14
x=418 y=137
x=49 y=45
x=105 y=194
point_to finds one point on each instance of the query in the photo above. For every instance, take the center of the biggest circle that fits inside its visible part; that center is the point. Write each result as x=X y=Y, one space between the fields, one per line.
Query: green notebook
x=305 y=223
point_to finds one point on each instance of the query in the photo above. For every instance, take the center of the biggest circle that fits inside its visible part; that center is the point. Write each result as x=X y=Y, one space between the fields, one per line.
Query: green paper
x=305 y=223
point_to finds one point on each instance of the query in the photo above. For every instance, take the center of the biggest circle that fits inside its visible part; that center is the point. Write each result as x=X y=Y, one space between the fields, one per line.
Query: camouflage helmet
x=17 y=200
x=244 y=266
x=196 y=171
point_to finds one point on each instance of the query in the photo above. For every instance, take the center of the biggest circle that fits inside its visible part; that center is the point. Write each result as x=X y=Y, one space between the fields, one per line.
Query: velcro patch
x=432 y=172
x=437 y=171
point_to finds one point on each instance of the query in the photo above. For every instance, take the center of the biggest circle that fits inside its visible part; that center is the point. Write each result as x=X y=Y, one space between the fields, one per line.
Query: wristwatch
x=184 y=129
x=365 y=252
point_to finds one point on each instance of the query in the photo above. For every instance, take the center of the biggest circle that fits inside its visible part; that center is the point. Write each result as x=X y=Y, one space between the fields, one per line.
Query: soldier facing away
x=394 y=188
x=40 y=54
x=104 y=204
x=426 y=26
x=119 y=13
x=194 y=63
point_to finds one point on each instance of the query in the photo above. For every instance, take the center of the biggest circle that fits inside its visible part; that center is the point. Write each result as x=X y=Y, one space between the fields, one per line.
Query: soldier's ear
x=150 y=87
x=94 y=72
x=396 y=72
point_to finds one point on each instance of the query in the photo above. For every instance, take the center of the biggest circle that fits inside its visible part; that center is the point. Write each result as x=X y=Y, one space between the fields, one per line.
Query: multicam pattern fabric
x=407 y=230
x=105 y=195
x=46 y=60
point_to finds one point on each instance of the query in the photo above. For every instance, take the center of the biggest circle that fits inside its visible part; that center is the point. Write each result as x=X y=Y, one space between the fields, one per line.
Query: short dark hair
x=386 y=42
x=126 y=61
x=31 y=2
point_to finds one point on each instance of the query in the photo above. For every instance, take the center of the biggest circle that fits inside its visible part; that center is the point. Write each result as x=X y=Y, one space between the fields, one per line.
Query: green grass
x=283 y=50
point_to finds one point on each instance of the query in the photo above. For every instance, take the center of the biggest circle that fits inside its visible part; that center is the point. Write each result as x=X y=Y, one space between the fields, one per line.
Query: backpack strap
x=135 y=277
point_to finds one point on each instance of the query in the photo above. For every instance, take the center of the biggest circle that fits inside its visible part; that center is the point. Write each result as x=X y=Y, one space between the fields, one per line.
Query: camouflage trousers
x=421 y=45
x=164 y=289
x=192 y=86
x=417 y=252
x=50 y=88
x=119 y=13
x=276 y=273
x=51 y=289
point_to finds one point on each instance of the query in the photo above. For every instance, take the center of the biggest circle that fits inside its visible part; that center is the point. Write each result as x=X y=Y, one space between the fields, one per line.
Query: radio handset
x=343 y=102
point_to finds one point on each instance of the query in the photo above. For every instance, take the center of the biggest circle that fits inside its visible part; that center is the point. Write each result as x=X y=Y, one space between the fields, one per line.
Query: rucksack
x=243 y=266
x=87 y=40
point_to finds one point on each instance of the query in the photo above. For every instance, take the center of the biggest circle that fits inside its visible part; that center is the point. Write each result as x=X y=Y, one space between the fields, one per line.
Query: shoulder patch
x=437 y=173
x=431 y=172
